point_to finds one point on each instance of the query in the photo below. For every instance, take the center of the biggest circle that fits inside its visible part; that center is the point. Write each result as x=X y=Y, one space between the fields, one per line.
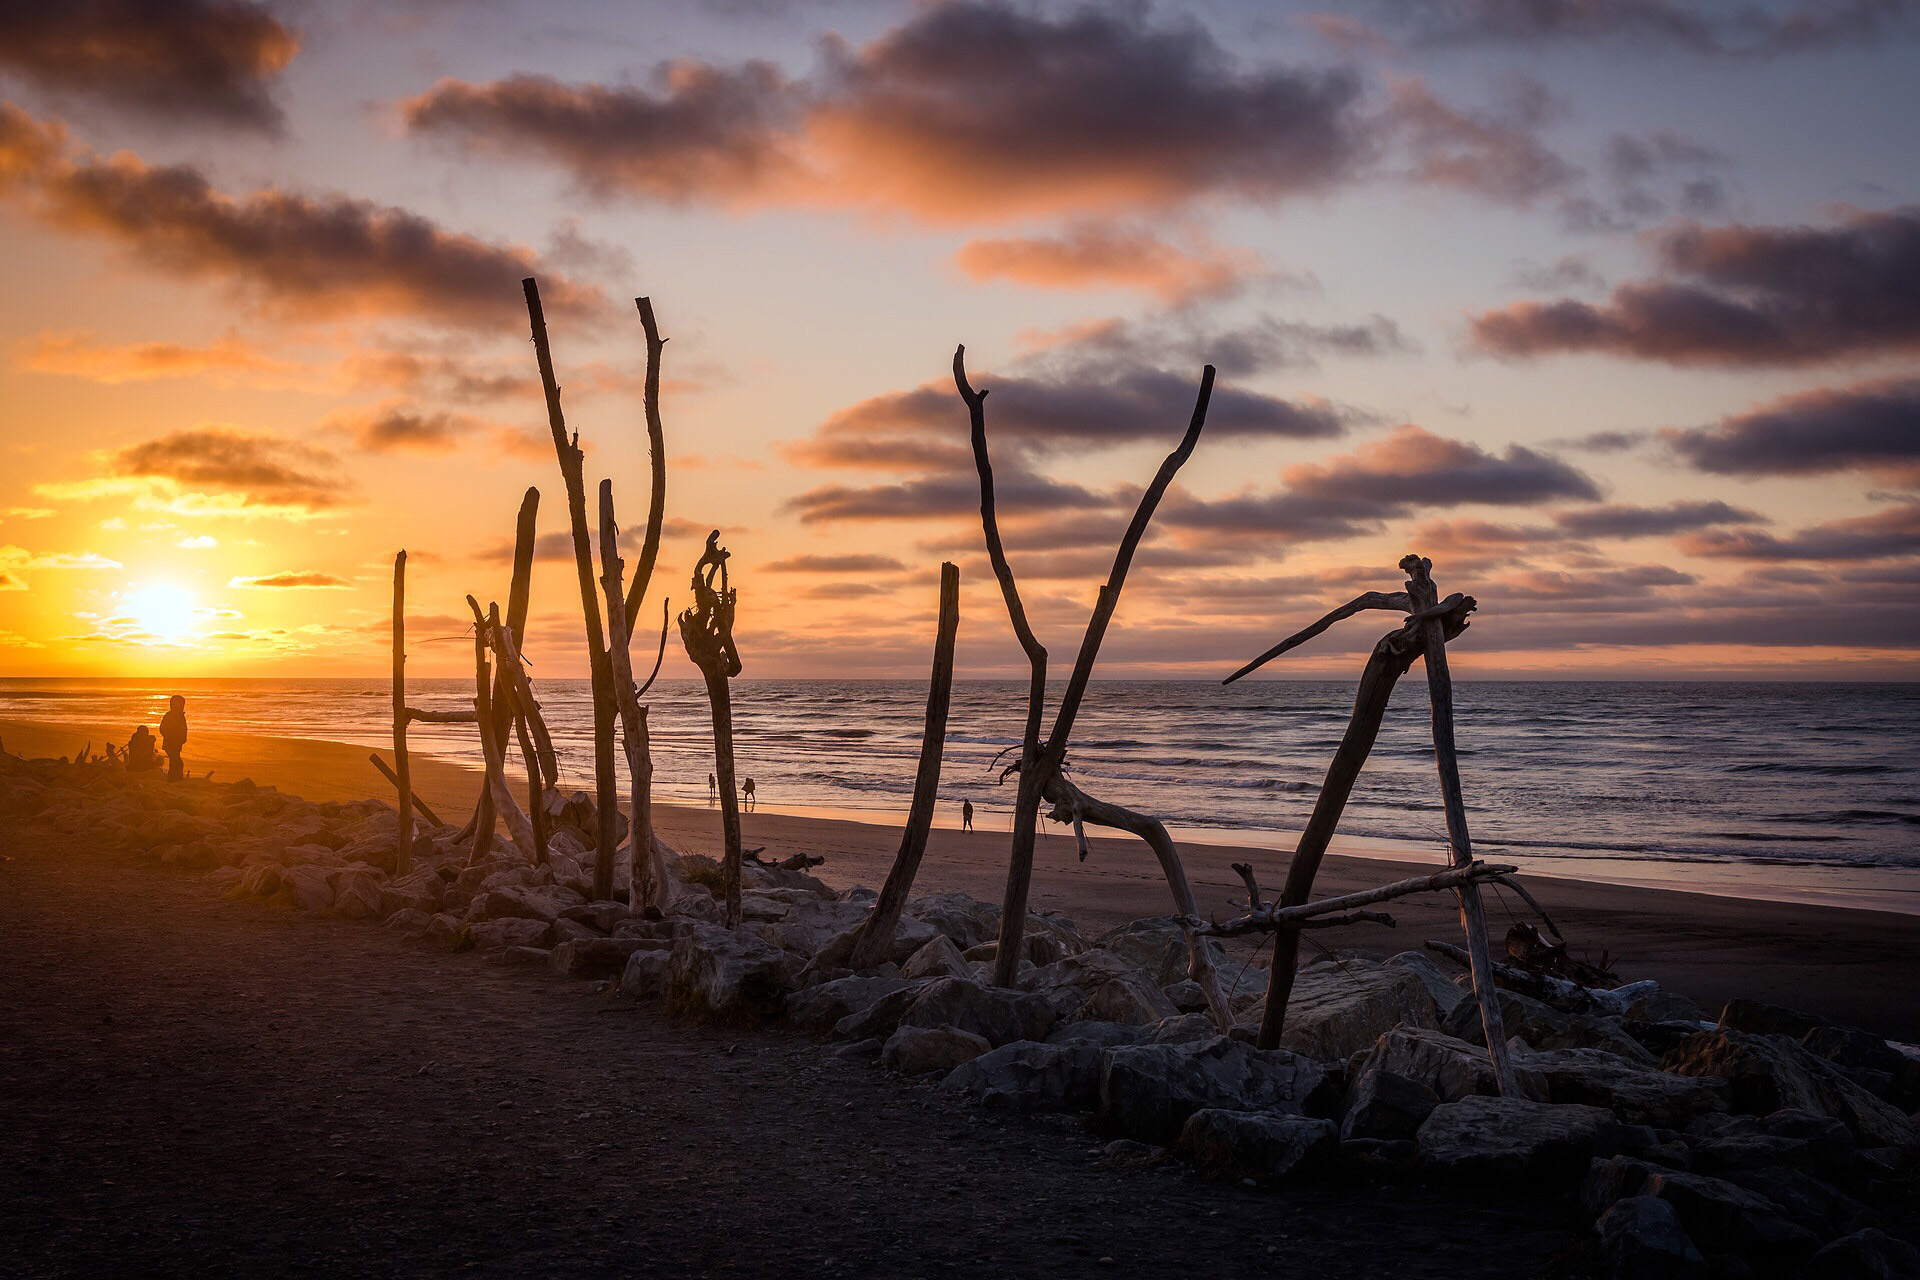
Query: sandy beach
x=1853 y=966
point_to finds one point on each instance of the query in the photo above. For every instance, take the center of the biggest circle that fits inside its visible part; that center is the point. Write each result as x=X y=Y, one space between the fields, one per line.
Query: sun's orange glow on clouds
x=1635 y=373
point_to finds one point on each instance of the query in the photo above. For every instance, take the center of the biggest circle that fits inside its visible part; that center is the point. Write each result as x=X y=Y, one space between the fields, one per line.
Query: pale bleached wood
x=403 y=843
x=649 y=877
x=1265 y=917
x=519 y=829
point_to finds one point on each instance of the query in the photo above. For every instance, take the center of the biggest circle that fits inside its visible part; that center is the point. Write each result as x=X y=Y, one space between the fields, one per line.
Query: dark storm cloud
x=317 y=256
x=214 y=60
x=1713 y=29
x=1872 y=427
x=967 y=109
x=1743 y=295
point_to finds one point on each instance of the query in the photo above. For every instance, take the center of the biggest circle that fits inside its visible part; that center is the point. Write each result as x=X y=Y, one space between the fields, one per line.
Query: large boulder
x=595 y=957
x=881 y=1018
x=305 y=888
x=1156 y=944
x=1147 y=1091
x=817 y=1008
x=1770 y=1072
x=356 y=892
x=1868 y=1254
x=1386 y=1106
x=940 y=958
x=1446 y=993
x=419 y=890
x=964 y=920
x=1720 y=1216
x=717 y=972
x=1641 y=1239
x=1632 y=1092
x=998 y=1015
x=519 y=900
x=806 y=926
x=513 y=931
x=1513 y=1138
x=915 y=1051
x=1027 y=1076
x=646 y=974
x=1337 y=1010
x=1256 y=1144
x=1452 y=1068
x=1101 y=986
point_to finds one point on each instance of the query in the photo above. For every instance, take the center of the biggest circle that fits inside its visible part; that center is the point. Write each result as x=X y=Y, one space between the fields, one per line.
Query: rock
x=1805 y=1199
x=1255 y=1144
x=940 y=958
x=443 y=933
x=808 y=925
x=527 y=956
x=996 y=1014
x=1026 y=1076
x=521 y=901
x=909 y=936
x=492 y=935
x=965 y=921
x=594 y=957
x=1544 y=1027
x=1184 y=1029
x=604 y=917
x=1770 y=1072
x=356 y=893
x=1388 y=1106
x=646 y=974
x=914 y=1051
x=1147 y=1091
x=1787 y=1137
x=407 y=920
x=1452 y=1068
x=1038 y=948
x=1665 y=1006
x=1757 y=1017
x=765 y=875
x=1446 y=994
x=817 y=1008
x=1512 y=1138
x=880 y=1018
x=1849 y=1048
x=1101 y=986
x=1336 y=1011
x=1187 y=996
x=716 y=972
x=419 y=890
x=1156 y=945
x=1718 y=1215
x=1870 y=1254
x=1093 y=1031
x=1641 y=1239
x=305 y=888
x=1633 y=1093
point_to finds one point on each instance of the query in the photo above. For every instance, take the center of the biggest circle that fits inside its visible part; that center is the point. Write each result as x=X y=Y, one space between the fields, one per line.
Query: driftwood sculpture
x=1430 y=624
x=876 y=936
x=650 y=876
x=599 y=664
x=403 y=774
x=706 y=628
x=1042 y=763
x=507 y=808
x=501 y=699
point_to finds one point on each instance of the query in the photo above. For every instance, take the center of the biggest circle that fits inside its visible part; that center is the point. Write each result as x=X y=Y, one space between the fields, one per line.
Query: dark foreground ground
x=190 y=1086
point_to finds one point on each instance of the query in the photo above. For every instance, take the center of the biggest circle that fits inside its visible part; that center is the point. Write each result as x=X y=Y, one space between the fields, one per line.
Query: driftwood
x=650 y=877
x=1265 y=917
x=706 y=628
x=1041 y=762
x=876 y=936
x=657 y=459
x=519 y=827
x=420 y=806
x=599 y=665
x=403 y=781
x=1391 y=658
x=1473 y=915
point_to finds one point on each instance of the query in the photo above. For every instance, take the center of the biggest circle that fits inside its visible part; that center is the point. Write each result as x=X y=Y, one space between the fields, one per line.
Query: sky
x=1610 y=309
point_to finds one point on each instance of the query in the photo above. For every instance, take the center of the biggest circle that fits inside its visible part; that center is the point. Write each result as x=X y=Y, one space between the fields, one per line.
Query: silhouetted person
x=139 y=753
x=966 y=815
x=747 y=792
x=713 y=789
x=173 y=735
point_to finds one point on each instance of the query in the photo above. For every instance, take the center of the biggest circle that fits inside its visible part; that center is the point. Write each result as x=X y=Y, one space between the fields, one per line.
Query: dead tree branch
x=403 y=840
x=706 y=629
x=649 y=879
x=1267 y=918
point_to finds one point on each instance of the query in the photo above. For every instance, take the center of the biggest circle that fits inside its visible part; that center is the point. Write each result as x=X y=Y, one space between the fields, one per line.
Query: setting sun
x=162 y=610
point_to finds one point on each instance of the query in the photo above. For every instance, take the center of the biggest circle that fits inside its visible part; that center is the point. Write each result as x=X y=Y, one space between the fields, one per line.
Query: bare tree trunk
x=876 y=936
x=568 y=449
x=403 y=851
x=518 y=827
x=706 y=628
x=648 y=878
x=1473 y=916
x=657 y=456
x=720 y=698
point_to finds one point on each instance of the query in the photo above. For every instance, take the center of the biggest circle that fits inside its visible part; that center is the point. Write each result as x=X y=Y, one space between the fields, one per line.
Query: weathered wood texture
x=403 y=776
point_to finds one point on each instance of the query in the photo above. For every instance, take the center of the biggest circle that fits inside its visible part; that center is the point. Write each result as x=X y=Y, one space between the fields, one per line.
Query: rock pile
x=1766 y=1142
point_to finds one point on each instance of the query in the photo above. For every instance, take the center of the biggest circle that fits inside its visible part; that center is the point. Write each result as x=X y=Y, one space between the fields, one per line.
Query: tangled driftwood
x=706 y=628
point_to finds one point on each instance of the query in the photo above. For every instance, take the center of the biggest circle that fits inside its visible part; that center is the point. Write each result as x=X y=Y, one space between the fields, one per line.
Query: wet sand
x=1854 y=966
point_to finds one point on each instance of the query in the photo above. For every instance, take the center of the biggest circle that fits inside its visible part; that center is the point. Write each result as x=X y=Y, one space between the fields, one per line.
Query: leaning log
x=876 y=935
x=403 y=840
x=419 y=805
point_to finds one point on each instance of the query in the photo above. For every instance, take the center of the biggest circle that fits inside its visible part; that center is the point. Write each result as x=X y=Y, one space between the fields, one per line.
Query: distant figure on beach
x=713 y=789
x=173 y=735
x=139 y=753
x=966 y=815
x=747 y=793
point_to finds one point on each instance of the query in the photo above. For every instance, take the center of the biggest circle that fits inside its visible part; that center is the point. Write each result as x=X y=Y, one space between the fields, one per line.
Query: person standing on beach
x=173 y=735
x=966 y=815
x=713 y=789
x=747 y=792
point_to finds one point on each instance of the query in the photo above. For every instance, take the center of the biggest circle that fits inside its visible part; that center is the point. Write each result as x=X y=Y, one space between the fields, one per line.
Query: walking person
x=713 y=789
x=173 y=736
x=747 y=792
x=966 y=815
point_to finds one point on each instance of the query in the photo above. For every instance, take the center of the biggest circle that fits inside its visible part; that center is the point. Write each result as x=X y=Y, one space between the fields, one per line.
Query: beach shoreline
x=1849 y=964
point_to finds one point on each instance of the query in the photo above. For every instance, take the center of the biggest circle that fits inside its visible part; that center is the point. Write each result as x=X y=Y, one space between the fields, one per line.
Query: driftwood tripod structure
x=403 y=715
x=1042 y=762
x=706 y=628
x=1430 y=624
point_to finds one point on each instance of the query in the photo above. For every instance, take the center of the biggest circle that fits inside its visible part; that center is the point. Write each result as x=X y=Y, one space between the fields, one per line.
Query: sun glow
x=161 y=610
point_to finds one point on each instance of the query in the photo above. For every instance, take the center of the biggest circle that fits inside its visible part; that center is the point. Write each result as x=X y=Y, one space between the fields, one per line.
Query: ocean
x=1797 y=790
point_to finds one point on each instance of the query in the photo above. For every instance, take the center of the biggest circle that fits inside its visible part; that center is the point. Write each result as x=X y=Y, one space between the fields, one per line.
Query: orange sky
x=1614 y=323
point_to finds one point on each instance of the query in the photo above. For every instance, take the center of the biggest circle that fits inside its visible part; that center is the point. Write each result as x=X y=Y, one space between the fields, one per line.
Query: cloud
x=1742 y=295
x=79 y=355
x=837 y=564
x=291 y=579
x=1410 y=469
x=198 y=542
x=86 y=560
x=935 y=496
x=227 y=470
x=1099 y=349
x=1099 y=255
x=1872 y=427
x=968 y=110
x=297 y=255
x=1891 y=531
x=211 y=60
x=1708 y=30
x=1628 y=521
x=1498 y=155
